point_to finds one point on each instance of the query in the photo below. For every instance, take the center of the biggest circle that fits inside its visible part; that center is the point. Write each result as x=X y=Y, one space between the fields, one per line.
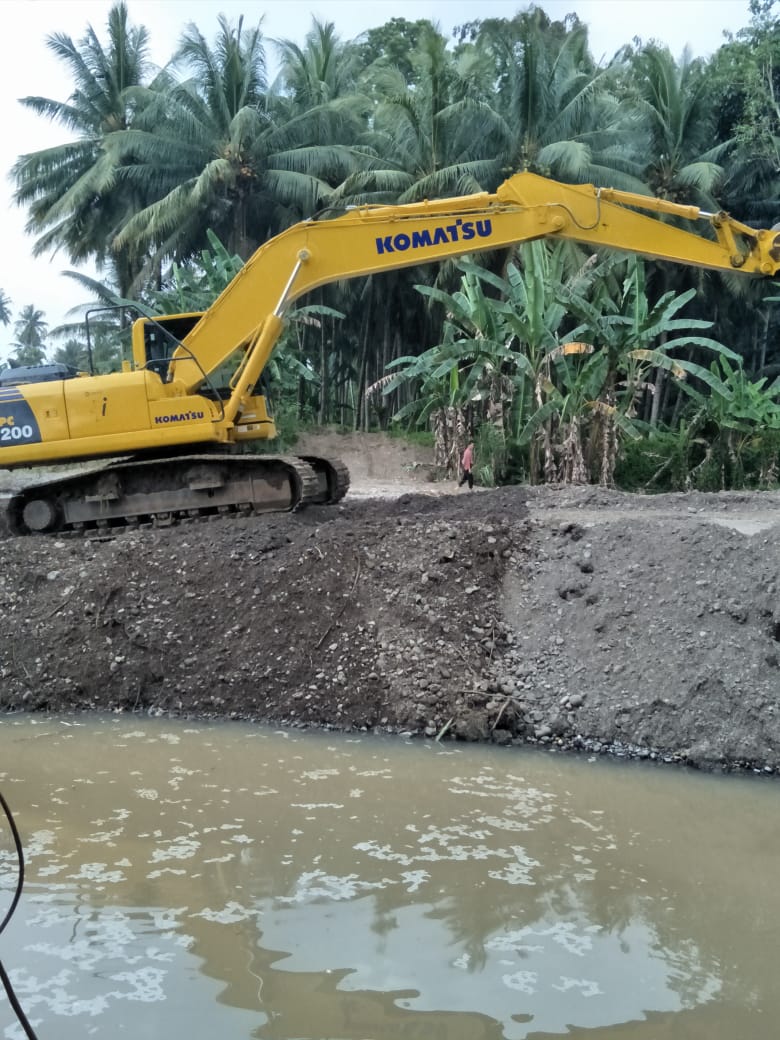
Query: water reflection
x=227 y=879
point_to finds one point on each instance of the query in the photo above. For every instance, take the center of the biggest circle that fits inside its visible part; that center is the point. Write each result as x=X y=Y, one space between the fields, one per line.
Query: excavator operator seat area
x=154 y=342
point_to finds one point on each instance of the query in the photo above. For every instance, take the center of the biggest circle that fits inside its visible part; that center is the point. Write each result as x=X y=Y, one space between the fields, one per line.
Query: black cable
x=17 y=1007
x=20 y=858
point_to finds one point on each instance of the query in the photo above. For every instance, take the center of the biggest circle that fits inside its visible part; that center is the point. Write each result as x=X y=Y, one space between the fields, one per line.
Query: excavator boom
x=372 y=239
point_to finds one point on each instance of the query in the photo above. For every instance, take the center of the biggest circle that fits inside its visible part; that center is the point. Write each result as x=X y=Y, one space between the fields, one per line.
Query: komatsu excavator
x=172 y=434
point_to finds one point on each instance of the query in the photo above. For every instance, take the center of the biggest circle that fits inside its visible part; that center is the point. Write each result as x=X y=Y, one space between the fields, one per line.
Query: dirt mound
x=568 y=617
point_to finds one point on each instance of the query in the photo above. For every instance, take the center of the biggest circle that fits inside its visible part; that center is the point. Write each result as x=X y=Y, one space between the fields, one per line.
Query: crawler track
x=161 y=492
x=332 y=478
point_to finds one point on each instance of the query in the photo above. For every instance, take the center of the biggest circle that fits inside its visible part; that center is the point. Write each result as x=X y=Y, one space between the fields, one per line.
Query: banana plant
x=638 y=338
x=737 y=415
x=492 y=362
x=466 y=377
x=194 y=286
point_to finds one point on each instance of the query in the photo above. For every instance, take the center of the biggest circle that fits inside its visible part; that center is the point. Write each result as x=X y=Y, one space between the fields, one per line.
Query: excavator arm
x=372 y=239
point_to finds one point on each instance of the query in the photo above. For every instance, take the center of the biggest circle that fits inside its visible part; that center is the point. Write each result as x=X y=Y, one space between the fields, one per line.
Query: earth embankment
x=562 y=617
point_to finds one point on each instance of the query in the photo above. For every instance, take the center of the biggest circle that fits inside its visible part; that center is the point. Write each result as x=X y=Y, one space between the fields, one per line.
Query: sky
x=27 y=67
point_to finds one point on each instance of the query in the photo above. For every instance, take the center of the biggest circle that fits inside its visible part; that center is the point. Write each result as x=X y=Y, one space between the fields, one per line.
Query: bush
x=656 y=463
x=490 y=456
x=685 y=460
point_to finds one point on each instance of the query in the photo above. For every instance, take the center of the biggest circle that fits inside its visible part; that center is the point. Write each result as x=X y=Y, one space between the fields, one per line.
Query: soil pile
x=570 y=617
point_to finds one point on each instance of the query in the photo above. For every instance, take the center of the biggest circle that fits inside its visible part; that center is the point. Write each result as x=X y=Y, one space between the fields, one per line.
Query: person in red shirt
x=466 y=463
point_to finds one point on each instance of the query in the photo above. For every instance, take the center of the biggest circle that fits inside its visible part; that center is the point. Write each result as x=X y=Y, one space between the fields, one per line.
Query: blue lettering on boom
x=460 y=231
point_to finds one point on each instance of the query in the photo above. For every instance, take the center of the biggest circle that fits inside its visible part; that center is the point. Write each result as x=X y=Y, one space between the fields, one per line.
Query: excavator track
x=332 y=478
x=162 y=492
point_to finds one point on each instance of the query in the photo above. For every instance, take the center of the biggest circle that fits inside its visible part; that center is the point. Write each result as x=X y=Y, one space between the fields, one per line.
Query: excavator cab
x=156 y=340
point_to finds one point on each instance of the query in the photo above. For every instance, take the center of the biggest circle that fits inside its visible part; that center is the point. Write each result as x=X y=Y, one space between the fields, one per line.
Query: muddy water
x=234 y=882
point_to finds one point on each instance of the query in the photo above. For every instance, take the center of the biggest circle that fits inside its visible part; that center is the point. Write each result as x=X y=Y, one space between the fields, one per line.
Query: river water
x=230 y=881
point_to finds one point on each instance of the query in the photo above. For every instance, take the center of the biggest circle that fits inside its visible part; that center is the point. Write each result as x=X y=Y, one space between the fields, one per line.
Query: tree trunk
x=657 y=395
x=324 y=388
x=677 y=408
x=660 y=386
x=763 y=341
x=360 y=402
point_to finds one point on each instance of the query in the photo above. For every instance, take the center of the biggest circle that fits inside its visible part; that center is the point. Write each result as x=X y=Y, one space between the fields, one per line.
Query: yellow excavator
x=173 y=434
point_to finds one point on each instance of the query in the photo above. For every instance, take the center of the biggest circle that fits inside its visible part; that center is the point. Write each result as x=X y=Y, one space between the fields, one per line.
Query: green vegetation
x=565 y=366
x=29 y=337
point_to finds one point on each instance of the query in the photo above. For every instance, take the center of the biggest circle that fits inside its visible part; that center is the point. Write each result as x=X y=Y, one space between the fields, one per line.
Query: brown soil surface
x=567 y=617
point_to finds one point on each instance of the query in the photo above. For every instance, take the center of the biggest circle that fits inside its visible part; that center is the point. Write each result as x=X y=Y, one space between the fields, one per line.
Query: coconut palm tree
x=324 y=69
x=224 y=153
x=30 y=331
x=318 y=83
x=194 y=142
x=425 y=134
x=552 y=110
x=419 y=136
x=74 y=197
x=672 y=99
x=72 y=353
x=685 y=163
